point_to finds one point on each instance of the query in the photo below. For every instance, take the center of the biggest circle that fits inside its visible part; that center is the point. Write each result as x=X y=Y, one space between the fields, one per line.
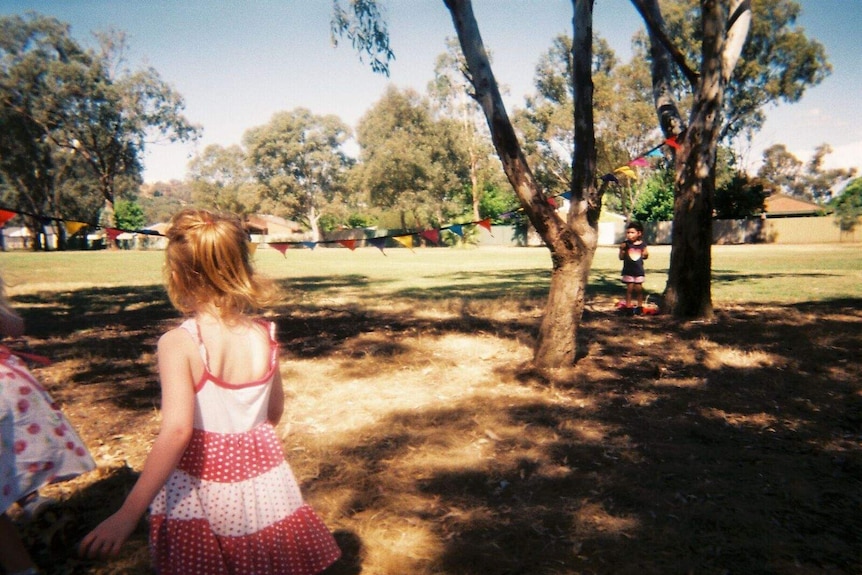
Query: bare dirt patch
x=428 y=444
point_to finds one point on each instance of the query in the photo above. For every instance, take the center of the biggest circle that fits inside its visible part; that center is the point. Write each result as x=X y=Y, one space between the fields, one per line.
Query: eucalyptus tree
x=31 y=50
x=450 y=93
x=222 y=179
x=792 y=176
x=725 y=99
x=412 y=163
x=85 y=102
x=299 y=160
x=572 y=240
x=117 y=114
x=624 y=118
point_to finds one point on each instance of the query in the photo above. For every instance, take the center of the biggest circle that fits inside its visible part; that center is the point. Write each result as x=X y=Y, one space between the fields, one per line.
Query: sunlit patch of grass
x=756 y=420
x=681 y=382
x=593 y=517
x=717 y=356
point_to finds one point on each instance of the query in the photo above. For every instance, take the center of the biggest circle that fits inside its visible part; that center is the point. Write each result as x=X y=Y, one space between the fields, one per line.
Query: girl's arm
x=175 y=349
x=645 y=253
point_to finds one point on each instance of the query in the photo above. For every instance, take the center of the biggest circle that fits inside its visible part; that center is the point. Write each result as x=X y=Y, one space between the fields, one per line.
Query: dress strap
x=191 y=325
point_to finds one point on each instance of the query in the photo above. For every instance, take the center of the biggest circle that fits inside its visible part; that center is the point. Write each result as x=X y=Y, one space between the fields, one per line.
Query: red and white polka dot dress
x=38 y=445
x=233 y=506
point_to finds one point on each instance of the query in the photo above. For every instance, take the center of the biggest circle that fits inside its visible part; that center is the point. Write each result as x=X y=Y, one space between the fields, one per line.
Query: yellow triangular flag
x=627 y=172
x=406 y=241
x=73 y=228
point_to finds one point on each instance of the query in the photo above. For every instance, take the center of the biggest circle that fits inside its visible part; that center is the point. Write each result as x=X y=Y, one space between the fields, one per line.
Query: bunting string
x=432 y=235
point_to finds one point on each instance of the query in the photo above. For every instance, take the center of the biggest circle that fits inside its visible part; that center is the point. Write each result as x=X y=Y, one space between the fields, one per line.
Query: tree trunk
x=572 y=243
x=688 y=292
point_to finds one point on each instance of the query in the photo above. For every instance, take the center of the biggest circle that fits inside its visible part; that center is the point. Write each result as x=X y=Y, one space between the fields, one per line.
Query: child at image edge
x=633 y=252
x=38 y=444
x=222 y=498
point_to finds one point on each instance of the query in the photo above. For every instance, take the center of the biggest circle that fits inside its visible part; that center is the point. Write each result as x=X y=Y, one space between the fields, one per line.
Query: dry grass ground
x=428 y=444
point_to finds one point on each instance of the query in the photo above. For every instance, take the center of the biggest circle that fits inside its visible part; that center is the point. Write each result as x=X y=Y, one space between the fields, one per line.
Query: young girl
x=223 y=499
x=38 y=445
x=633 y=252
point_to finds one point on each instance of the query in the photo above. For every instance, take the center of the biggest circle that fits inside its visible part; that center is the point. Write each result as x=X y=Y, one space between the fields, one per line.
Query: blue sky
x=237 y=62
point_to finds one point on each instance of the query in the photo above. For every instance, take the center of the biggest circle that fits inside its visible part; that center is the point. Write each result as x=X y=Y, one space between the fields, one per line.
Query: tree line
x=76 y=122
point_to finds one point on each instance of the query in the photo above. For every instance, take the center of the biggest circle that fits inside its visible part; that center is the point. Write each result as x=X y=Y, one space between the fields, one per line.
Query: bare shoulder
x=176 y=340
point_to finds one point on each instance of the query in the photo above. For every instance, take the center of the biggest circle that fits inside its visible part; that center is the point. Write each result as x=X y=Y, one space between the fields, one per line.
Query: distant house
x=274 y=228
x=784 y=206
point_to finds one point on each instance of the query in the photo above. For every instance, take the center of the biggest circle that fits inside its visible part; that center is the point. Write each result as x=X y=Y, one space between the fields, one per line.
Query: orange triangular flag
x=73 y=228
x=348 y=244
x=486 y=223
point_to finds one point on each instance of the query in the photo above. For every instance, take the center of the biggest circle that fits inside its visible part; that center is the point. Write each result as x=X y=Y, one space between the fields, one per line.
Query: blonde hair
x=208 y=266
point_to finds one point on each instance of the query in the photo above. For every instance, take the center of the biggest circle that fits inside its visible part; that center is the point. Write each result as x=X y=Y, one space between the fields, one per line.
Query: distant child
x=222 y=498
x=633 y=252
x=38 y=445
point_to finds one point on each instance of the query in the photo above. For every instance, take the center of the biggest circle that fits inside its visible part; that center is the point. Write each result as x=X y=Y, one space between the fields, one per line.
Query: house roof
x=784 y=205
x=271 y=225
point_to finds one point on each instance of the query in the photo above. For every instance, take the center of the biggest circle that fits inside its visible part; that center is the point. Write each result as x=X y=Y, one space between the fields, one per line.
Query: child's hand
x=106 y=539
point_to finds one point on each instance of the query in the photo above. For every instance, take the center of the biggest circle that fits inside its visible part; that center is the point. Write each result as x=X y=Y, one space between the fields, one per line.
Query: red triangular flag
x=348 y=244
x=431 y=235
x=113 y=233
x=486 y=223
x=672 y=142
x=5 y=216
x=280 y=246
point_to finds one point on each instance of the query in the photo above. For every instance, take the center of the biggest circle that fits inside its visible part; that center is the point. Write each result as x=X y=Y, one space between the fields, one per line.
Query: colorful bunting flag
x=281 y=247
x=351 y=244
x=310 y=245
x=378 y=243
x=5 y=216
x=672 y=142
x=113 y=233
x=626 y=171
x=553 y=202
x=654 y=153
x=406 y=241
x=639 y=162
x=432 y=236
x=457 y=229
x=567 y=195
x=486 y=223
x=73 y=228
x=610 y=178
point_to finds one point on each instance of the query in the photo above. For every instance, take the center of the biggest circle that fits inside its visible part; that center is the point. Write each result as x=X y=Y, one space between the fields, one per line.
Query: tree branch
x=655 y=26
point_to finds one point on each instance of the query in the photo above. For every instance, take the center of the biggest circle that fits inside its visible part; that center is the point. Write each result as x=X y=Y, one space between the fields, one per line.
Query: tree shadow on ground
x=730 y=446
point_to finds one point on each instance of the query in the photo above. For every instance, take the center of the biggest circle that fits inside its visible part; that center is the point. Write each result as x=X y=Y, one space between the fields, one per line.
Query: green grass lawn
x=760 y=274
